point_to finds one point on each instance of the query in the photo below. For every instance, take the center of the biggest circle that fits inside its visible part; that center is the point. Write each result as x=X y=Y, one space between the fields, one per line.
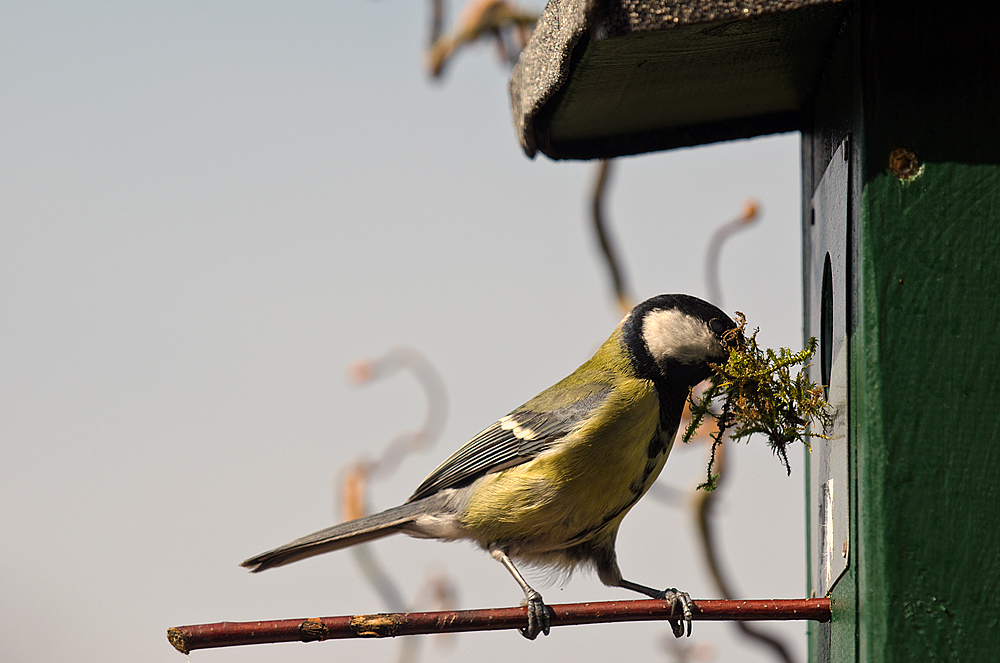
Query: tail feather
x=339 y=536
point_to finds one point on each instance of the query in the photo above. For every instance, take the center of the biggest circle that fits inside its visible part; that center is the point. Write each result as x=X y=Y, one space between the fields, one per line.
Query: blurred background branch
x=615 y=271
x=705 y=501
x=704 y=504
x=749 y=214
x=397 y=359
x=354 y=485
x=504 y=22
x=437 y=22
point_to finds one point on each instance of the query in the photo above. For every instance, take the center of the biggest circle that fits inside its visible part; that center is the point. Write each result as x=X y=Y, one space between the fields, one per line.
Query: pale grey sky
x=208 y=210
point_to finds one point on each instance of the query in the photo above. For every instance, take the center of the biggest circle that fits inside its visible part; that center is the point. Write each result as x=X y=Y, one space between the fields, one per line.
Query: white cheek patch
x=678 y=336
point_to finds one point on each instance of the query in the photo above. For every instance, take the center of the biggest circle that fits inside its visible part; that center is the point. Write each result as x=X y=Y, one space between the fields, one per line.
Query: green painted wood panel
x=924 y=571
x=928 y=406
x=930 y=426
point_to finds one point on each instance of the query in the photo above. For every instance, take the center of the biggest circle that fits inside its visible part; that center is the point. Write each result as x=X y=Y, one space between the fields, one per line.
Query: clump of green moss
x=760 y=395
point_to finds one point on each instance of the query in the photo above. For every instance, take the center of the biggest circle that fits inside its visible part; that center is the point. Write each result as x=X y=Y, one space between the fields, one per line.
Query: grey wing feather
x=515 y=439
x=346 y=534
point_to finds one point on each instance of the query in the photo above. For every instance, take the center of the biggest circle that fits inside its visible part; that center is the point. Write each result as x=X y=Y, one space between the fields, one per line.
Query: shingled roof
x=605 y=78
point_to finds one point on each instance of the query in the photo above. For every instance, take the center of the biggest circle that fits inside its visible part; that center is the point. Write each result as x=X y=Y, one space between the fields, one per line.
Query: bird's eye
x=717 y=325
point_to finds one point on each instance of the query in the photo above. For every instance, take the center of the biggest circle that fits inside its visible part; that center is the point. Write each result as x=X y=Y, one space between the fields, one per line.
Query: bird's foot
x=538 y=615
x=679 y=602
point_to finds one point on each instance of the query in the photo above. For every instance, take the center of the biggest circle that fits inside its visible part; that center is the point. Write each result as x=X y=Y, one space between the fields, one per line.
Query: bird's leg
x=538 y=612
x=607 y=570
x=678 y=601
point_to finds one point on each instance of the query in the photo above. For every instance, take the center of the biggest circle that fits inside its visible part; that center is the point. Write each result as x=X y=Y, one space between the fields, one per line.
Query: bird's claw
x=538 y=616
x=678 y=601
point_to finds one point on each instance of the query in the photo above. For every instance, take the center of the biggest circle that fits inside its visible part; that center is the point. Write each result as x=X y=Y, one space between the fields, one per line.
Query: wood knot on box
x=313 y=630
x=376 y=626
x=904 y=164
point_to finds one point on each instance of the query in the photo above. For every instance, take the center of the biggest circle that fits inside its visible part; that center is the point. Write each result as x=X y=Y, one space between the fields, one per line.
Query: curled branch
x=750 y=213
x=615 y=270
x=483 y=19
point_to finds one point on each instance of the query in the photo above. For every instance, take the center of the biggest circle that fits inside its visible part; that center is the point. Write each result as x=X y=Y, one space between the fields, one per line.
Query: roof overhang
x=601 y=78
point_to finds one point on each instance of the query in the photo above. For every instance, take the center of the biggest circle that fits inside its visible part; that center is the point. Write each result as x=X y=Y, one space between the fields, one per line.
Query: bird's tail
x=340 y=536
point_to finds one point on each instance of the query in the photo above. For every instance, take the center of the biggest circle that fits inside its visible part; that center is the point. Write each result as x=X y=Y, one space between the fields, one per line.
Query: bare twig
x=483 y=18
x=705 y=502
x=430 y=380
x=615 y=271
x=437 y=21
x=750 y=213
x=683 y=650
x=355 y=482
x=226 y=634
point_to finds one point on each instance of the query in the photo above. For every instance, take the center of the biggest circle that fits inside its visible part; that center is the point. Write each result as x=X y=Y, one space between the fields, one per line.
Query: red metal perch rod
x=227 y=634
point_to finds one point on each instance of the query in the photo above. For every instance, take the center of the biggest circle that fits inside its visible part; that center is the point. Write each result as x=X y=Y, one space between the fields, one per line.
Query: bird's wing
x=514 y=439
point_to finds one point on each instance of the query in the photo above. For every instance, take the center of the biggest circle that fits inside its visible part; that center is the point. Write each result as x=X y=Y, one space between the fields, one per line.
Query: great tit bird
x=550 y=483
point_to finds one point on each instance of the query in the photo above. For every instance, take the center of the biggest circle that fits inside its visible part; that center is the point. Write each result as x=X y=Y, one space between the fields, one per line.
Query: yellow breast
x=583 y=484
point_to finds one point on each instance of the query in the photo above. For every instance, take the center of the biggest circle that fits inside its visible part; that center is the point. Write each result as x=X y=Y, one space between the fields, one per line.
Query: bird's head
x=673 y=338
